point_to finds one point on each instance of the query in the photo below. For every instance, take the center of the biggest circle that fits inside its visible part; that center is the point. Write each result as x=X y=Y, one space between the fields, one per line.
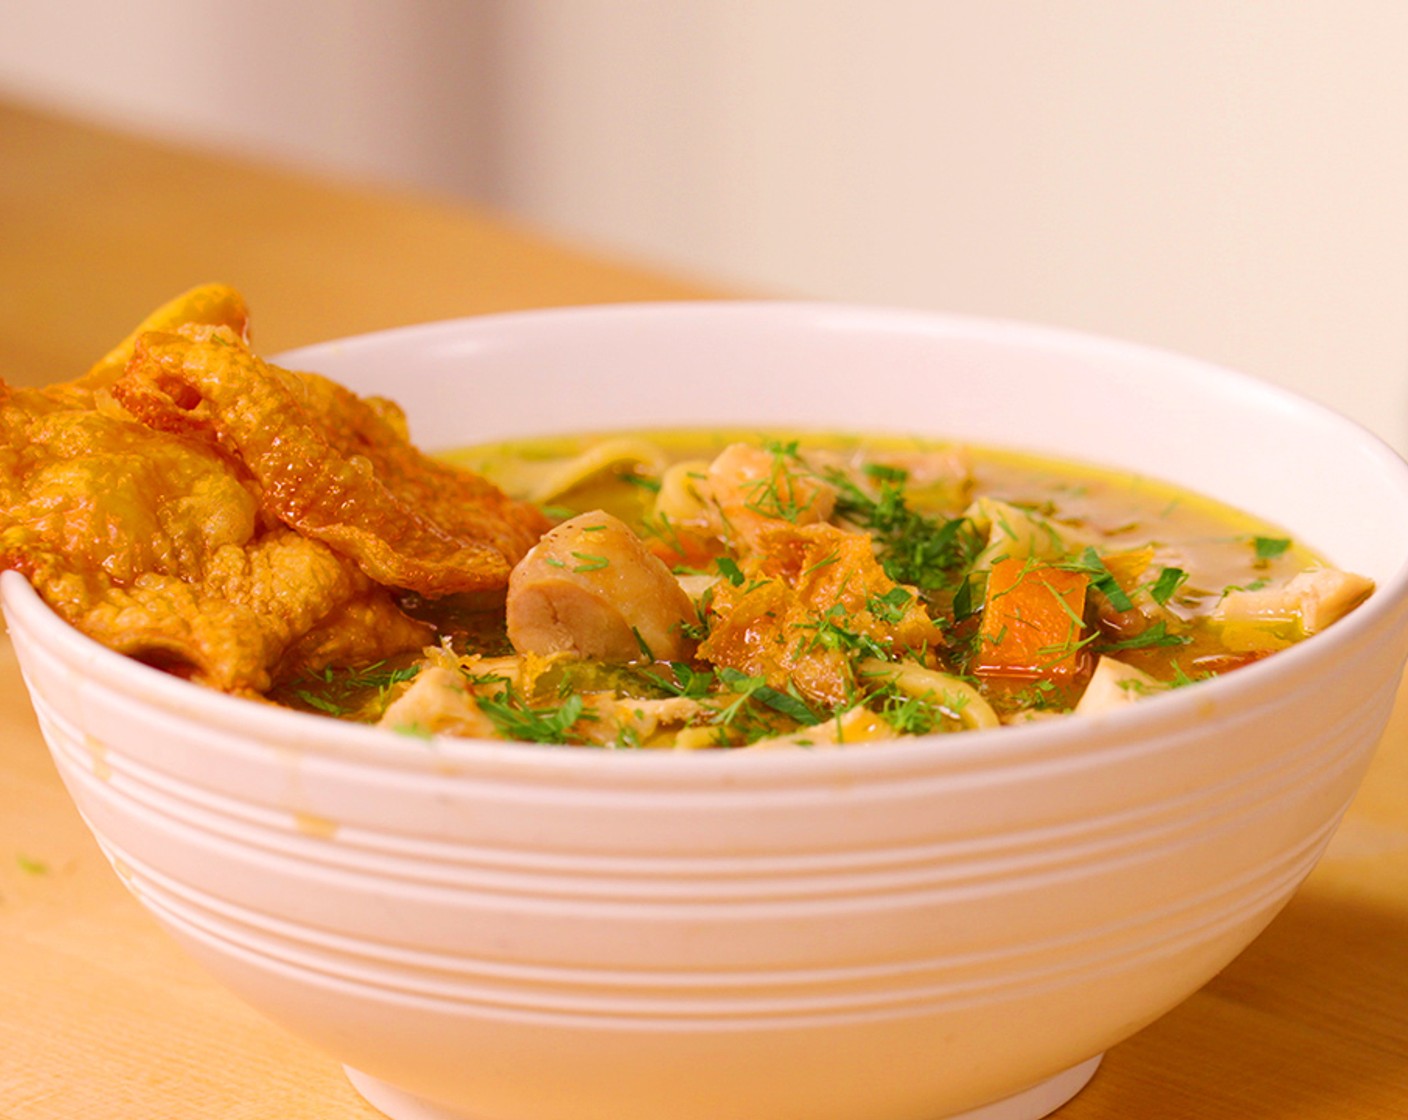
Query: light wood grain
x=99 y=228
x=102 y=1017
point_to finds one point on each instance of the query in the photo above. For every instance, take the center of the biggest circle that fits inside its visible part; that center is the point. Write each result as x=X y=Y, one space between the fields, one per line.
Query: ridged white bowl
x=903 y=931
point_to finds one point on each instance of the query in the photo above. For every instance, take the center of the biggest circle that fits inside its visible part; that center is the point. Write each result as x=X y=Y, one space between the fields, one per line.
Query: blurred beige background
x=1224 y=177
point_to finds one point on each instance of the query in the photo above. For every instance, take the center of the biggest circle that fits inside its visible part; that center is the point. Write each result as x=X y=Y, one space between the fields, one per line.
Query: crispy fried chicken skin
x=189 y=504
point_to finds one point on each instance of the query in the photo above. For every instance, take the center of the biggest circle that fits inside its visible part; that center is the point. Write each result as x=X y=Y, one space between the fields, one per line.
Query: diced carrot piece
x=1031 y=624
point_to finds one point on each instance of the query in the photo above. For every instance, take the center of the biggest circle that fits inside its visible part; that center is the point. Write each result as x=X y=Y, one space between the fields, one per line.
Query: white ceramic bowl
x=900 y=931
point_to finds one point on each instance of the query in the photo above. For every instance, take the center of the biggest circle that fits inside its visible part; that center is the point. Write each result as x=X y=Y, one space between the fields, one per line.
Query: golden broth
x=1147 y=563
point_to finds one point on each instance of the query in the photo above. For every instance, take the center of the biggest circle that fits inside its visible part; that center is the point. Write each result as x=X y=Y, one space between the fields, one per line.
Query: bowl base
x=1042 y=1099
x=1031 y=1104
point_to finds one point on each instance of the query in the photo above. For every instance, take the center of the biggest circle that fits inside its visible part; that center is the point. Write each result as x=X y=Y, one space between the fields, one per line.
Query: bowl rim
x=1045 y=740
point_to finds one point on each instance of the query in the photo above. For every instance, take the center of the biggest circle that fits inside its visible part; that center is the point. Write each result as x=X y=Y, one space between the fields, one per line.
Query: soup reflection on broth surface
x=731 y=589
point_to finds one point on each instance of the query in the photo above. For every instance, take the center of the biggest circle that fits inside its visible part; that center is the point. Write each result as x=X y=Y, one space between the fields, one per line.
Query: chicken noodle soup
x=728 y=589
x=268 y=533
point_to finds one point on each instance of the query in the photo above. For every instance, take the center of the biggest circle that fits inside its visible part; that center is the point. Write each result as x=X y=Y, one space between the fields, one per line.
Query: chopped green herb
x=882 y=473
x=589 y=562
x=729 y=569
x=833 y=629
x=924 y=552
x=965 y=603
x=319 y=703
x=663 y=529
x=789 y=705
x=691 y=683
x=1167 y=584
x=379 y=676
x=1268 y=548
x=891 y=606
x=777 y=495
x=1101 y=579
x=1255 y=585
x=824 y=562
x=1153 y=636
x=1182 y=679
x=756 y=689
x=914 y=715
x=517 y=720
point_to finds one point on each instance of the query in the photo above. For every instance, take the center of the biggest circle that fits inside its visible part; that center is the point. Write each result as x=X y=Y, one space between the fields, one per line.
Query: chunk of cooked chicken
x=1314 y=598
x=591 y=588
x=438 y=702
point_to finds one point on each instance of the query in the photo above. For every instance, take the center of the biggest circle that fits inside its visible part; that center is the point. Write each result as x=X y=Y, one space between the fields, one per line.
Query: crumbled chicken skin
x=806 y=592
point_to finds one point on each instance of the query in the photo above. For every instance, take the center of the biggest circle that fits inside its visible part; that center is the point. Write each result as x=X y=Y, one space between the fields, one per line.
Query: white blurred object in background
x=1227 y=180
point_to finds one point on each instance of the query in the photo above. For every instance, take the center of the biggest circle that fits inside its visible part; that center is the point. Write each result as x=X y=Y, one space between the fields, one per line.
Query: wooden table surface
x=103 y=1018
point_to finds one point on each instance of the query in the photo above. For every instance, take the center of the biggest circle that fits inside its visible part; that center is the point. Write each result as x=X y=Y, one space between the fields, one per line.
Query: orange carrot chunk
x=1031 y=625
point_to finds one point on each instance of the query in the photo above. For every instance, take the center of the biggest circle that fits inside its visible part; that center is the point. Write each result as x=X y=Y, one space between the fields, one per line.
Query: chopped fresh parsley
x=922 y=551
x=517 y=720
x=729 y=569
x=779 y=495
x=965 y=602
x=321 y=704
x=892 y=606
x=915 y=715
x=644 y=481
x=1268 y=548
x=1166 y=585
x=361 y=692
x=694 y=684
x=1153 y=636
x=835 y=629
x=757 y=690
x=1101 y=578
